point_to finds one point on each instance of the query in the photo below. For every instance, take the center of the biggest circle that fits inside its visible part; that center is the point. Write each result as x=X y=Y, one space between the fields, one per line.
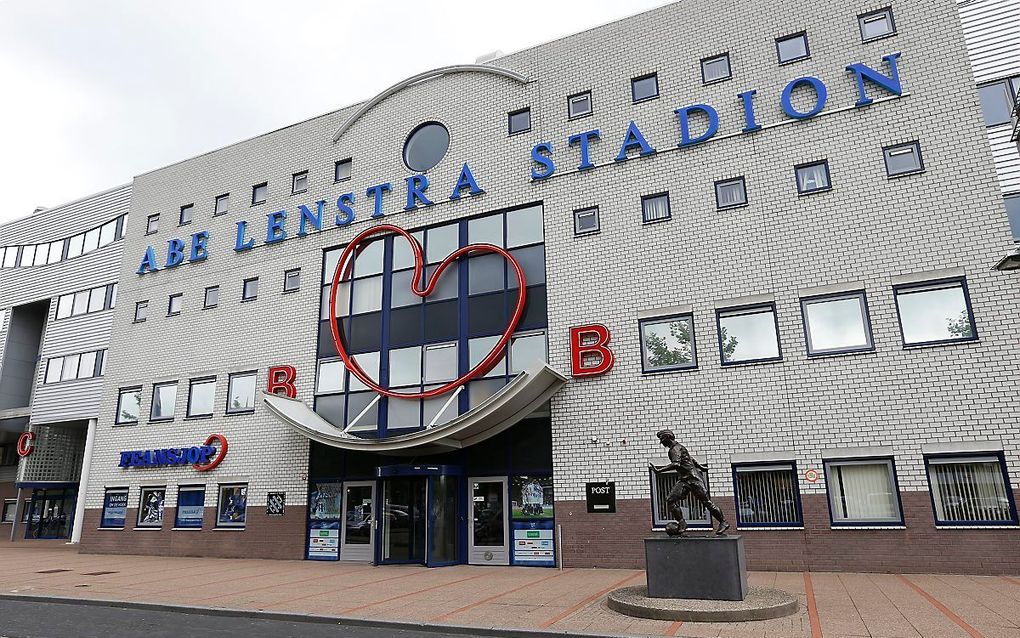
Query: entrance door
x=488 y=533
x=50 y=513
x=444 y=520
x=357 y=540
x=404 y=519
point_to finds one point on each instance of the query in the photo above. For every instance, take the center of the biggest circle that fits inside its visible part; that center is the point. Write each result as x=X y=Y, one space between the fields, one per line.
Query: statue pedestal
x=703 y=567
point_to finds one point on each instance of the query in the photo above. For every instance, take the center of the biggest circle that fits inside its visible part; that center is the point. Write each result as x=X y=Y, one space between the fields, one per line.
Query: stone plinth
x=696 y=567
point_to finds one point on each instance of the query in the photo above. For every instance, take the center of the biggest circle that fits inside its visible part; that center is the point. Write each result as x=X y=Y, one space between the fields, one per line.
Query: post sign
x=601 y=497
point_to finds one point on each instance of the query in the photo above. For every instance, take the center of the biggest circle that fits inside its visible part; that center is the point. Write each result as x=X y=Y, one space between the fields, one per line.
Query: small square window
x=141 y=311
x=129 y=402
x=970 y=490
x=212 y=297
x=876 y=24
x=222 y=204
x=186 y=214
x=813 y=178
x=579 y=105
x=836 y=324
x=519 y=121
x=792 y=47
x=152 y=224
x=767 y=495
x=232 y=504
x=164 y=401
x=8 y=512
x=644 y=88
x=667 y=343
x=150 y=506
x=342 y=170
x=716 y=69
x=115 y=503
x=241 y=393
x=655 y=208
x=250 y=289
x=292 y=280
x=299 y=183
x=586 y=221
x=730 y=193
x=174 y=307
x=862 y=492
x=903 y=159
x=935 y=313
x=259 y=192
x=749 y=335
x=201 y=397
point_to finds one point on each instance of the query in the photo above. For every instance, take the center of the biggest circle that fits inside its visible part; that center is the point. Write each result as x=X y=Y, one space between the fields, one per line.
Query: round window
x=426 y=146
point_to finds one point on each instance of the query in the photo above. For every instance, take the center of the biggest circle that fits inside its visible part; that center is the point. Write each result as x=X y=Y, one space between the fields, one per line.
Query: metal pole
x=17 y=514
x=559 y=544
x=83 y=483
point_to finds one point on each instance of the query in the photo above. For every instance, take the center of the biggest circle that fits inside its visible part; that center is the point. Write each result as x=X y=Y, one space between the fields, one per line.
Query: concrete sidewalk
x=572 y=600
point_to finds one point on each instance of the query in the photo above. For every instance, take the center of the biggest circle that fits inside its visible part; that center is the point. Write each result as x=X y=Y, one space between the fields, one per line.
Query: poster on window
x=150 y=508
x=190 y=508
x=531 y=497
x=533 y=543
x=114 y=509
x=233 y=502
x=275 y=503
x=325 y=502
x=324 y=540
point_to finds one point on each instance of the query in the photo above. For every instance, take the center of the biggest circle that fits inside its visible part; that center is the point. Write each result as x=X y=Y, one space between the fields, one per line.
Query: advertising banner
x=534 y=543
x=324 y=541
x=531 y=497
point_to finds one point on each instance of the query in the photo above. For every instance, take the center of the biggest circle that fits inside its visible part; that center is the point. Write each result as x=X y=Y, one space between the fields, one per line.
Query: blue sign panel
x=198 y=454
x=190 y=508
x=533 y=543
x=114 y=509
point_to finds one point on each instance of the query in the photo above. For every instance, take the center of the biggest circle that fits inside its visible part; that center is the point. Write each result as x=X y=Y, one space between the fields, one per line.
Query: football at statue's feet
x=673 y=529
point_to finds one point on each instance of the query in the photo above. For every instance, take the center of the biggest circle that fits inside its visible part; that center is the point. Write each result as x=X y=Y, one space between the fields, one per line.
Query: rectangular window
x=129 y=403
x=667 y=343
x=56 y=252
x=730 y=193
x=87 y=365
x=27 y=255
x=150 y=506
x=695 y=513
x=8 y=513
x=716 y=68
x=644 y=88
x=259 y=192
x=230 y=509
x=74 y=244
x=970 y=490
x=299 y=183
x=201 y=397
x=81 y=303
x=331 y=375
x=440 y=363
x=586 y=221
x=40 y=254
x=141 y=311
x=767 y=495
x=996 y=102
x=292 y=280
x=91 y=241
x=519 y=121
x=187 y=212
x=812 y=178
x=749 y=335
x=903 y=159
x=11 y=257
x=174 y=307
x=114 y=508
x=876 y=24
x=164 y=401
x=835 y=324
x=113 y=295
x=863 y=492
x=241 y=393
x=53 y=369
x=222 y=204
x=70 y=367
x=97 y=299
x=190 y=507
x=579 y=105
x=152 y=224
x=527 y=350
x=212 y=297
x=655 y=208
x=1013 y=214
x=250 y=290
x=342 y=170
x=935 y=312
x=792 y=48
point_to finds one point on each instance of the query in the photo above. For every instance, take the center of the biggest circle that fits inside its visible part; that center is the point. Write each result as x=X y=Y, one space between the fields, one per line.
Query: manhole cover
x=98 y=573
x=53 y=571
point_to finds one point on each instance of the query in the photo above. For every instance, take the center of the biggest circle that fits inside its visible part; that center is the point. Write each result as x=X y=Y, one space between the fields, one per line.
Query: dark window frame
x=828 y=177
x=1014 y=221
x=286 y=277
x=102 y=512
x=148 y=224
x=598 y=221
x=591 y=105
x=152 y=402
x=244 y=289
x=669 y=208
x=948 y=282
x=191 y=386
x=254 y=190
x=742 y=310
x=693 y=365
x=712 y=58
x=336 y=170
x=189 y=488
x=187 y=208
x=1000 y=456
x=216 y=204
x=835 y=296
x=892 y=24
x=891 y=460
x=230 y=382
x=743 y=187
x=139 y=305
x=219 y=505
x=791 y=36
x=916 y=145
x=120 y=392
x=141 y=496
x=796 y=490
x=633 y=81
x=510 y=121
x=293 y=182
x=656 y=497
x=205 y=298
x=170 y=304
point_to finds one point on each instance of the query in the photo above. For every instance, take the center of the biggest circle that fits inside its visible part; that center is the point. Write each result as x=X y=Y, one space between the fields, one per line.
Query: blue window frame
x=748 y=334
x=413 y=344
x=935 y=312
x=863 y=491
x=970 y=489
x=667 y=343
x=190 y=507
x=767 y=494
x=114 y=508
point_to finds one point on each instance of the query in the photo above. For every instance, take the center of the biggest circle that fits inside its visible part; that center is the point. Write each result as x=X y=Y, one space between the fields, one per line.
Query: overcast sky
x=95 y=92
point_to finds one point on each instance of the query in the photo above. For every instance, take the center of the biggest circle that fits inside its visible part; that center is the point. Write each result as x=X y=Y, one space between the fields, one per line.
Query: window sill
x=152 y=420
x=794 y=60
x=652 y=373
x=254 y=204
x=736 y=364
x=520 y=132
x=840 y=353
x=146 y=529
x=934 y=344
x=906 y=174
x=716 y=80
x=138 y=321
x=125 y=425
x=656 y=221
x=247 y=299
x=983 y=527
x=645 y=99
x=185 y=529
x=814 y=192
x=571 y=118
x=239 y=412
x=879 y=37
x=731 y=206
x=228 y=529
x=109 y=529
x=299 y=192
x=293 y=290
x=777 y=528
x=198 y=417
x=865 y=527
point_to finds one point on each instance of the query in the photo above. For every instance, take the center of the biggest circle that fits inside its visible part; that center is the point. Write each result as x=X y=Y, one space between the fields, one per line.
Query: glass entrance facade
x=51 y=512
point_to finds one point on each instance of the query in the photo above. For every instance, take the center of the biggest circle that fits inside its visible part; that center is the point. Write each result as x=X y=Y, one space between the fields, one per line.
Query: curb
x=497 y=632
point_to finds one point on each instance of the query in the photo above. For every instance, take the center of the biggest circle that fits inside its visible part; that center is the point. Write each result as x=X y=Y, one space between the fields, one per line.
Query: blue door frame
x=431 y=474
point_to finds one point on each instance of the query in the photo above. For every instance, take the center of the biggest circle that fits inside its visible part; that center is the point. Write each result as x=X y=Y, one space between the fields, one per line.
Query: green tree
x=661 y=353
x=960 y=326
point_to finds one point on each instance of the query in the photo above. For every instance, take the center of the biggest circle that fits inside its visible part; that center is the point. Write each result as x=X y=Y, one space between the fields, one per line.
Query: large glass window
x=129 y=401
x=53 y=369
x=232 y=505
x=150 y=506
x=934 y=313
x=862 y=492
x=164 y=401
x=8 y=513
x=70 y=368
x=115 y=502
x=241 y=393
x=767 y=494
x=836 y=324
x=667 y=343
x=970 y=490
x=201 y=397
x=190 y=506
x=748 y=335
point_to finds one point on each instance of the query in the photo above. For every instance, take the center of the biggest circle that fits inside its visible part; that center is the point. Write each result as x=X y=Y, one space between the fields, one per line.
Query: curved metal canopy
x=421 y=77
x=515 y=401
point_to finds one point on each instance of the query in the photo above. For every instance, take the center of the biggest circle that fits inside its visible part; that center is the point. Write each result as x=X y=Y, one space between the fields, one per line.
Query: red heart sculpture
x=356 y=246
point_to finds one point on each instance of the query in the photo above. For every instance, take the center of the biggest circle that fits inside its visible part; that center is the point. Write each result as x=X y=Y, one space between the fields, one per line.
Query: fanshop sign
x=202 y=458
x=697 y=124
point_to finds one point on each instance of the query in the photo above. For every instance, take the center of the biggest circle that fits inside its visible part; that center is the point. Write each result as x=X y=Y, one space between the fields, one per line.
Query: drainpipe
x=83 y=483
